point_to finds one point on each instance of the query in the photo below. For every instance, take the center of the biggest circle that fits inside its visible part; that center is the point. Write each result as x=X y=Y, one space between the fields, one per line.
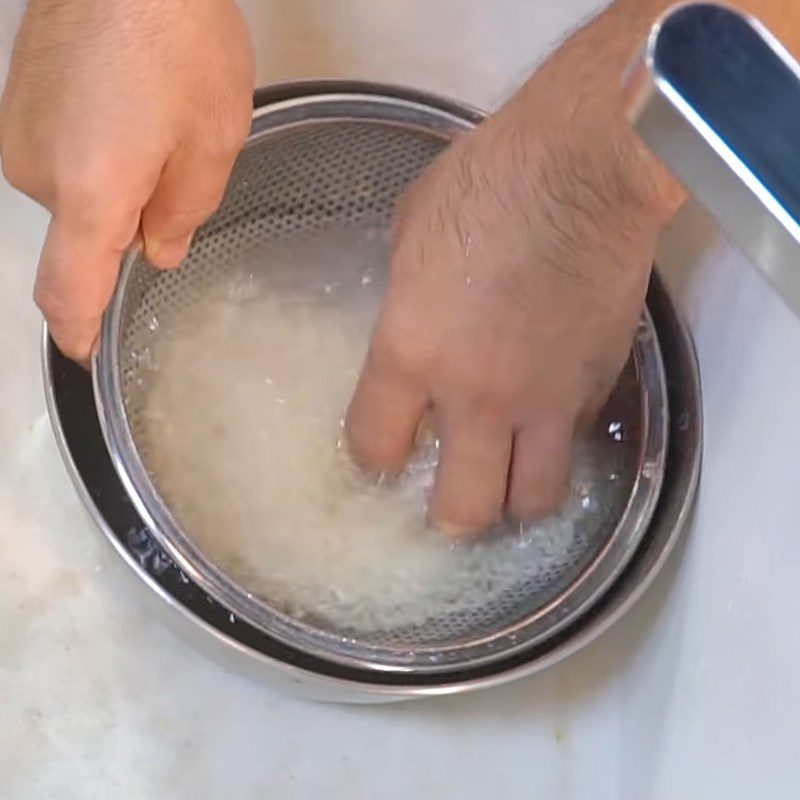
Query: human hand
x=518 y=275
x=120 y=115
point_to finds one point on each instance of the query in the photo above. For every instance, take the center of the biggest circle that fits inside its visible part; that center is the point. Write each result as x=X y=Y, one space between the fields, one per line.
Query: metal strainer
x=337 y=162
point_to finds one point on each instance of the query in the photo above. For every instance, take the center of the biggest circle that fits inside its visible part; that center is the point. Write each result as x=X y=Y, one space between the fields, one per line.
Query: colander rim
x=155 y=512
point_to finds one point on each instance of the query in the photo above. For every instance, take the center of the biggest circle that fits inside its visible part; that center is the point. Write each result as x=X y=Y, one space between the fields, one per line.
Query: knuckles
x=402 y=348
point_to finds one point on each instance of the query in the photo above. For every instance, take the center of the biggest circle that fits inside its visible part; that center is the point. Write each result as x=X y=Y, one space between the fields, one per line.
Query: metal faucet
x=717 y=98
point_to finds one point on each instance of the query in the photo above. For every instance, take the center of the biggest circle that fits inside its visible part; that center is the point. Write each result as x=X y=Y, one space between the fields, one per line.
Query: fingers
x=472 y=476
x=189 y=191
x=540 y=468
x=383 y=417
x=86 y=241
x=77 y=273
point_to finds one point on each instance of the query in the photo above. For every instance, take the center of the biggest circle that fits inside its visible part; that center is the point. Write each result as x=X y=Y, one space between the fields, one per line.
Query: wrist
x=620 y=33
x=575 y=104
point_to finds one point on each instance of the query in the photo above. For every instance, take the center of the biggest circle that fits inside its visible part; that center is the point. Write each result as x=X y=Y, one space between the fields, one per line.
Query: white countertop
x=694 y=695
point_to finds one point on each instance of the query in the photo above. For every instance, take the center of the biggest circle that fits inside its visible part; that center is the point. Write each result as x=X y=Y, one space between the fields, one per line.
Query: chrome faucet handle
x=717 y=98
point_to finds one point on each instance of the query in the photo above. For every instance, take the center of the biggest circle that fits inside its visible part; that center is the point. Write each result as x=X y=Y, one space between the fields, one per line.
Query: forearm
x=577 y=96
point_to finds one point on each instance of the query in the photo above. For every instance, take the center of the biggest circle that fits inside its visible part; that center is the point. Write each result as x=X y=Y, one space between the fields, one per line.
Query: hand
x=121 y=114
x=518 y=276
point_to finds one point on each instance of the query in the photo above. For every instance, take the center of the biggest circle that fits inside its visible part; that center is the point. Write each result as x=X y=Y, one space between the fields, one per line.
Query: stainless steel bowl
x=212 y=605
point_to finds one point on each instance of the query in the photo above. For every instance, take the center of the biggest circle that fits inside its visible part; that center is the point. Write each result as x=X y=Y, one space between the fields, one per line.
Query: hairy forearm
x=578 y=92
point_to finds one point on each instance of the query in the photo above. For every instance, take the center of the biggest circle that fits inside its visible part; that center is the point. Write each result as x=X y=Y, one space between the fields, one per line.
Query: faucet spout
x=717 y=98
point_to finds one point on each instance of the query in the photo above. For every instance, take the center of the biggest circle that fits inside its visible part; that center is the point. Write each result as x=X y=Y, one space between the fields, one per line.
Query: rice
x=244 y=393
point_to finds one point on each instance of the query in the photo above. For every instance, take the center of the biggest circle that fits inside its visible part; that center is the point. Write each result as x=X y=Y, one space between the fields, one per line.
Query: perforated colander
x=333 y=164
